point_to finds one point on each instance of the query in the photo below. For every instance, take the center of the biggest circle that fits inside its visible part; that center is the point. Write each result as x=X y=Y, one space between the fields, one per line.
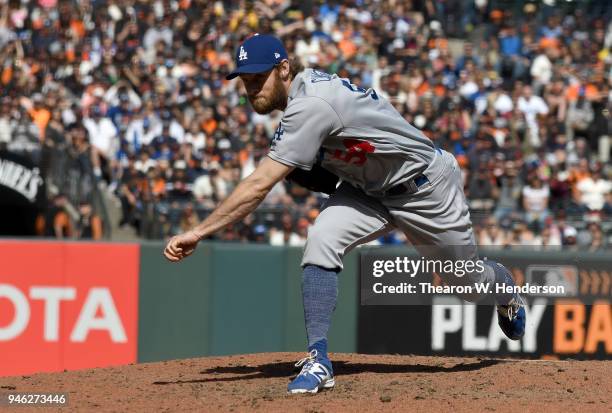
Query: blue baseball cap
x=259 y=53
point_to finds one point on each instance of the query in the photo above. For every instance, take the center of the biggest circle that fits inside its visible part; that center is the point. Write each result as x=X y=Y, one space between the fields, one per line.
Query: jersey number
x=355 y=88
x=355 y=153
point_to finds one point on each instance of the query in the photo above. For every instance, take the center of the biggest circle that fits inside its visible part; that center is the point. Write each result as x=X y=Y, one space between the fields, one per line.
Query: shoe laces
x=307 y=362
x=510 y=310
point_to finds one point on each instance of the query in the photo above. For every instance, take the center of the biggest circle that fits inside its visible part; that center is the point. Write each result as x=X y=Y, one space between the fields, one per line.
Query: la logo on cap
x=276 y=55
x=243 y=54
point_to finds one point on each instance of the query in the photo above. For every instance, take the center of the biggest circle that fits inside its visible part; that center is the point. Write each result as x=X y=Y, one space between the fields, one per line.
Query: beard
x=277 y=99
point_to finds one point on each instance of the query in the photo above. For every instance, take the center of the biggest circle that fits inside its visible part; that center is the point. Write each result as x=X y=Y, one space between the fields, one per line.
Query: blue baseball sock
x=319 y=294
x=499 y=278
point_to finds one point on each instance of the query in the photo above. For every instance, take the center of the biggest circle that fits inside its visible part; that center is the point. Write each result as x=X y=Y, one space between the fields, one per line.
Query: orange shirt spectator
x=41 y=118
x=209 y=126
x=423 y=88
x=7 y=75
x=547 y=42
x=62 y=227
x=573 y=91
x=40 y=115
x=347 y=47
x=159 y=186
x=78 y=28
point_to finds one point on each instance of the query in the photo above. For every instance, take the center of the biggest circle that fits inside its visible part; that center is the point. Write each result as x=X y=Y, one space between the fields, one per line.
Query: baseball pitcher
x=390 y=174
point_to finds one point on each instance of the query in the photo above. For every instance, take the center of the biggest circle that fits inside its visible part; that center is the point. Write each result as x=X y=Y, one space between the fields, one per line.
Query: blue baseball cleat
x=511 y=315
x=316 y=374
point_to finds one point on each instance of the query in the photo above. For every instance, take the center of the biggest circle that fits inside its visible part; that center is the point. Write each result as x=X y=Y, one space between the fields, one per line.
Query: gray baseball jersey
x=360 y=137
x=353 y=132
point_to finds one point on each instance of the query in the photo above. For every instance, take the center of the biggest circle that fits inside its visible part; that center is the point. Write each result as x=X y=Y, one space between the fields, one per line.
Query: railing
x=71 y=174
x=162 y=219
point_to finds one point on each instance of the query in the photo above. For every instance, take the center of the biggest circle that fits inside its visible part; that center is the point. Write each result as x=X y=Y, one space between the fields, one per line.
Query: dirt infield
x=364 y=383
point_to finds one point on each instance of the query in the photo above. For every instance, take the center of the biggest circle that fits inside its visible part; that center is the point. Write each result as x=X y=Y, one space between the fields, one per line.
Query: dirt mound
x=363 y=383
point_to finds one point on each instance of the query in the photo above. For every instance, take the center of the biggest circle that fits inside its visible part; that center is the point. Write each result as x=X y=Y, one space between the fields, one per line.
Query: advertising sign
x=67 y=305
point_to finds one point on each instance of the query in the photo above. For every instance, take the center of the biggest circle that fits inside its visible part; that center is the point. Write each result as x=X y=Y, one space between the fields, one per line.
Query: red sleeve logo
x=355 y=152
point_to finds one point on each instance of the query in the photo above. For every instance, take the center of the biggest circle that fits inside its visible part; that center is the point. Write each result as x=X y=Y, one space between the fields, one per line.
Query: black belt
x=408 y=187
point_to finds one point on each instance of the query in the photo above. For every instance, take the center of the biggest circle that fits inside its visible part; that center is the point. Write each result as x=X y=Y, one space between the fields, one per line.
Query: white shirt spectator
x=402 y=27
x=503 y=104
x=202 y=187
x=542 y=69
x=5 y=130
x=481 y=104
x=277 y=238
x=68 y=116
x=136 y=134
x=488 y=239
x=531 y=107
x=536 y=199
x=468 y=89
x=112 y=97
x=144 y=166
x=198 y=140
x=551 y=240
x=308 y=52
x=593 y=192
x=176 y=130
x=155 y=34
x=102 y=135
x=209 y=185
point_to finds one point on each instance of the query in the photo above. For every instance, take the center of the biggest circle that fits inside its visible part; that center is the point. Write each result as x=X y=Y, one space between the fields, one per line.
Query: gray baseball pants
x=436 y=216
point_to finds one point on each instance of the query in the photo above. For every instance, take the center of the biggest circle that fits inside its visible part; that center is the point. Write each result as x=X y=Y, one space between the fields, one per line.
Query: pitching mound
x=363 y=383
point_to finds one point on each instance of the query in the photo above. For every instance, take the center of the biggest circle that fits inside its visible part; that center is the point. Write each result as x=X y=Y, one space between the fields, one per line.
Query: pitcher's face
x=265 y=91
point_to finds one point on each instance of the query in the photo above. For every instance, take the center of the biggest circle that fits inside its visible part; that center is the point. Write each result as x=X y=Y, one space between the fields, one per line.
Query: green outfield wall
x=232 y=298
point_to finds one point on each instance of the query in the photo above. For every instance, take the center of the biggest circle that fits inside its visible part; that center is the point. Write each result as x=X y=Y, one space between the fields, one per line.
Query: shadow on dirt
x=284 y=369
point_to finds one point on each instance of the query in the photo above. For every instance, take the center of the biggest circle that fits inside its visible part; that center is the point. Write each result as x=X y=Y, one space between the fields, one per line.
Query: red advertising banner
x=67 y=305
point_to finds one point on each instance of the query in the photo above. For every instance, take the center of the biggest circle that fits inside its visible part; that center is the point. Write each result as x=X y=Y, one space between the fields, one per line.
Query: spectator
x=285 y=235
x=532 y=106
x=570 y=237
x=510 y=192
x=6 y=124
x=520 y=236
x=164 y=145
x=593 y=189
x=597 y=239
x=25 y=137
x=57 y=221
x=492 y=234
x=535 y=200
x=482 y=192
x=580 y=115
x=179 y=188
x=189 y=218
x=607 y=208
x=511 y=46
x=259 y=234
x=89 y=225
x=103 y=137
x=38 y=112
x=550 y=239
x=128 y=192
x=542 y=68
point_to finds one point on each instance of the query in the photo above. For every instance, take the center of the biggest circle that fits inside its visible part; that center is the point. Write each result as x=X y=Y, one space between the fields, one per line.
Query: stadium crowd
x=136 y=92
